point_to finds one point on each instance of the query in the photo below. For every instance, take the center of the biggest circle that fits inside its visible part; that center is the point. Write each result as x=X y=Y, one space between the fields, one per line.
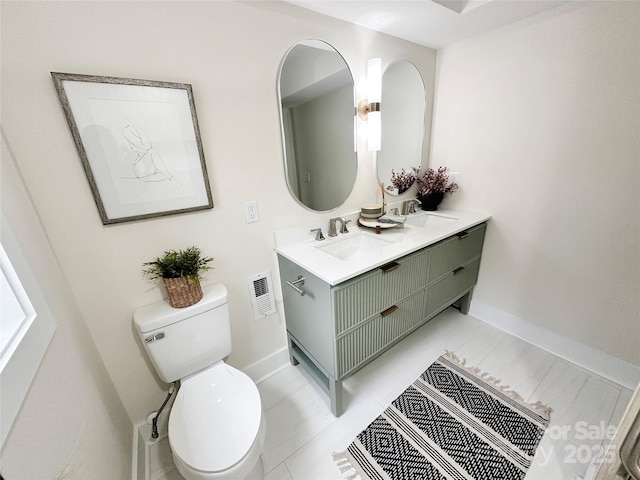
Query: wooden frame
x=139 y=144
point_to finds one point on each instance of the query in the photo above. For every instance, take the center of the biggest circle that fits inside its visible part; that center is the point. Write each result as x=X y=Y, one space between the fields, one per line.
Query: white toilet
x=216 y=424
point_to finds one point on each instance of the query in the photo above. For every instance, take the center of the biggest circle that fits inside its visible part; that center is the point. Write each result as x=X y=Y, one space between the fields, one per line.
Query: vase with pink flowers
x=432 y=187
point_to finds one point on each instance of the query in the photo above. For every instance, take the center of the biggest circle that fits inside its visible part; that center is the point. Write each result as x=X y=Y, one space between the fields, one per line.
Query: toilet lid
x=215 y=418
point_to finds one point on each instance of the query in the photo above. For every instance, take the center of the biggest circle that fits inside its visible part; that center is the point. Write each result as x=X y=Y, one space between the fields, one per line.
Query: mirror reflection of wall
x=403 y=110
x=317 y=95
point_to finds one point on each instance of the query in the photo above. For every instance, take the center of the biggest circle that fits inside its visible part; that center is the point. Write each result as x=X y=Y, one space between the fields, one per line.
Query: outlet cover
x=251 y=211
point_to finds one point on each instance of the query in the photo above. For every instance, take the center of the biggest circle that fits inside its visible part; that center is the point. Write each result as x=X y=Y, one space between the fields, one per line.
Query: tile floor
x=302 y=433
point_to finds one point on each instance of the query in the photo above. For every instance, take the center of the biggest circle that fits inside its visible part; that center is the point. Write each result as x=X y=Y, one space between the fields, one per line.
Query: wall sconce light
x=369 y=108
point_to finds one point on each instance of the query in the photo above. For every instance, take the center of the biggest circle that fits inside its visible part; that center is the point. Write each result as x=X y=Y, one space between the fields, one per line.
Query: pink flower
x=433 y=181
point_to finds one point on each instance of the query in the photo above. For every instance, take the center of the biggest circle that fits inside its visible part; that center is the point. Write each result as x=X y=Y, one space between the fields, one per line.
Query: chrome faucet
x=343 y=226
x=409 y=206
x=318 y=232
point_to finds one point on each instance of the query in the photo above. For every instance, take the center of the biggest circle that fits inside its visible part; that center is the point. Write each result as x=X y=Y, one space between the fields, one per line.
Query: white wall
x=72 y=422
x=230 y=53
x=542 y=121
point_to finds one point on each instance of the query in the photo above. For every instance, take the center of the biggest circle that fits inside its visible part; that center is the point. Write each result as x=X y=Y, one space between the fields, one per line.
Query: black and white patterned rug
x=453 y=422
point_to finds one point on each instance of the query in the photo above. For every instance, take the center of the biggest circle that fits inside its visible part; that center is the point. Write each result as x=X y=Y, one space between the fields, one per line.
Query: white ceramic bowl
x=371 y=211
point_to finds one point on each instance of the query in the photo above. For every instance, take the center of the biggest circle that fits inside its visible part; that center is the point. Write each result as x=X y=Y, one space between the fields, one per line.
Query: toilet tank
x=183 y=341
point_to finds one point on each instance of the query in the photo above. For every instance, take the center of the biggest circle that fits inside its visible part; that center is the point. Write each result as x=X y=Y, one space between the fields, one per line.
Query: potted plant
x=180 y=272
x=432 y=186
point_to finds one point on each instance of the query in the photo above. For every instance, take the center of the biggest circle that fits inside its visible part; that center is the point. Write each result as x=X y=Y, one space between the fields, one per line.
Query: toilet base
x=256 y=473
x=249 y=468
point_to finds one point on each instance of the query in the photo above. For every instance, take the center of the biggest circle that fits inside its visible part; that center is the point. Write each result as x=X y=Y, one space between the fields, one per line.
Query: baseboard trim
x=134 y=454
x=601 y=363
x=267 y=366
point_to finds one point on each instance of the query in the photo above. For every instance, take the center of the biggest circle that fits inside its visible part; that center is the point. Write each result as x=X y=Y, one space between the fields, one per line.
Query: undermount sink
x=424 y=219
x=353 y=246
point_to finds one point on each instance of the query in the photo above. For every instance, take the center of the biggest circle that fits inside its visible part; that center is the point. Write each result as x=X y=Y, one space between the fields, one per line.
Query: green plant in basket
x=180 y=272
x=188 y=263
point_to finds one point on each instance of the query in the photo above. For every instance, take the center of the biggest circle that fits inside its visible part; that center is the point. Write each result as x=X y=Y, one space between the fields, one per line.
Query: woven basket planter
x=182 y=292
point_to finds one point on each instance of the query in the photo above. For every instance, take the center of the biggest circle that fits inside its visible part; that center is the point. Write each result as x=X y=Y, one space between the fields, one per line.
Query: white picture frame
x=139 y=144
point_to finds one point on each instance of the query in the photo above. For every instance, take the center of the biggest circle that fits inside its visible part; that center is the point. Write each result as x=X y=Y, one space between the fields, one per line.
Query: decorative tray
x=378 y=226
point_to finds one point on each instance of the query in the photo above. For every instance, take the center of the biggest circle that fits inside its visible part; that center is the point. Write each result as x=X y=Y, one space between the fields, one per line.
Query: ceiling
x=433 y=23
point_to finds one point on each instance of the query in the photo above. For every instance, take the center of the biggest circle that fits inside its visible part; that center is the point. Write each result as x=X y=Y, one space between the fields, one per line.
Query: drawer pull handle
x=295 y=283
x=388 y=311
x=462 y=235
x=389 y=267
x=458 y=270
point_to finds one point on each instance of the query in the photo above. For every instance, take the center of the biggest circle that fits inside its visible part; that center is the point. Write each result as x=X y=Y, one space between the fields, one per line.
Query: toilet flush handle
x=154 y=337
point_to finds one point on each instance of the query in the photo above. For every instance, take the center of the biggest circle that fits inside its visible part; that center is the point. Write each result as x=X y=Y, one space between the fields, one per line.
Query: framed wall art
x=139 y=144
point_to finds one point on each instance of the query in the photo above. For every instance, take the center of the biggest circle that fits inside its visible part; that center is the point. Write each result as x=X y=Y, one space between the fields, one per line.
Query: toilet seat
x=215 y=419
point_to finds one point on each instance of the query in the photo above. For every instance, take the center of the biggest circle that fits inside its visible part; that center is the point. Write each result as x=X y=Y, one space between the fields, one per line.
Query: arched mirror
x=403 y=109
x=317 y=100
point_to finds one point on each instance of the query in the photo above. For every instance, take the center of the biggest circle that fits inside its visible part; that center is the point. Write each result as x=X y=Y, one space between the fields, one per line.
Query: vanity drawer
x=455 y=251
x=378 y=333
x=369 y=294
x=452 y=286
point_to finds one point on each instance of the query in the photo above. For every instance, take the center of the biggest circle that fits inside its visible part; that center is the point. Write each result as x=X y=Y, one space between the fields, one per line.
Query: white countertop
x=299 y=244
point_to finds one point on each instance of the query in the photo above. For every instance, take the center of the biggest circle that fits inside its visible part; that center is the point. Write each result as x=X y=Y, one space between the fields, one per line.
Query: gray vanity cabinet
x=335 y=330
x=453 y=270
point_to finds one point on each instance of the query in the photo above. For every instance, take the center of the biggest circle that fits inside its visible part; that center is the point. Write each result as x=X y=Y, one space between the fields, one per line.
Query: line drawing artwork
x=148 y=165
x=139 y=144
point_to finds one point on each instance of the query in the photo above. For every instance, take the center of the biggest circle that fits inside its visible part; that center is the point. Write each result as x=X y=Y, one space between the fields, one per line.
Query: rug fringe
x=538 y=407
x=347 y=469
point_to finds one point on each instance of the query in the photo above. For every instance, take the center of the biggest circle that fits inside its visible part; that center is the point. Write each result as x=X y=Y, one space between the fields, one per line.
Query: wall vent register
x=262 y=300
